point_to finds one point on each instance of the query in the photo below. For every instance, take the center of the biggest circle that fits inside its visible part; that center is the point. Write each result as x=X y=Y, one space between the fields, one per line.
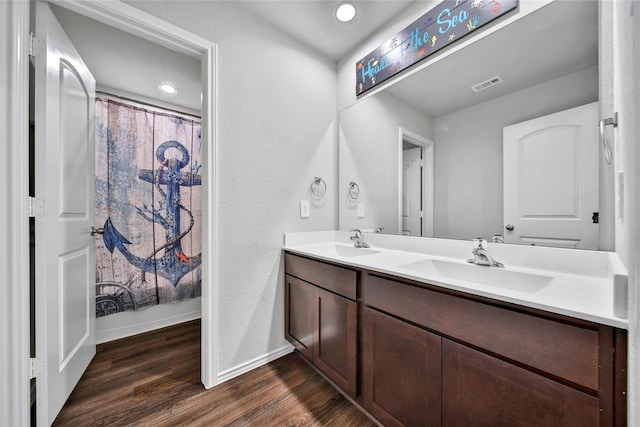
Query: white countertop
x=589 y=285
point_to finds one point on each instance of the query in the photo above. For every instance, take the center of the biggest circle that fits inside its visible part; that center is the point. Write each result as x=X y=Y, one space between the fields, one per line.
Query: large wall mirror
x=497 y=139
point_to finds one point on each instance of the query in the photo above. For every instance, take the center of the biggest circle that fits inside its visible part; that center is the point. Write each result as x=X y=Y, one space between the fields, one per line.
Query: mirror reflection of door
x=416 y=184
x=551 y=180
x=411 y=190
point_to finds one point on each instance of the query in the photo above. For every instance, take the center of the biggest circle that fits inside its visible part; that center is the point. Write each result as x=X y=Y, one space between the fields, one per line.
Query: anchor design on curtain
x=174 y=263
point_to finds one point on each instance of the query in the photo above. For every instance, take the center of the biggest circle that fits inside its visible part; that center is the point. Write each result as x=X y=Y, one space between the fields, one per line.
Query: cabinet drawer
x=336 y=279
x=563 y=350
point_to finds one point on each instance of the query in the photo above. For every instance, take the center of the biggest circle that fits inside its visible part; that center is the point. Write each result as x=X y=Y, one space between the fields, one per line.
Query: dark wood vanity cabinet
x=499 y=365
x=430 y=356
x=321 y=323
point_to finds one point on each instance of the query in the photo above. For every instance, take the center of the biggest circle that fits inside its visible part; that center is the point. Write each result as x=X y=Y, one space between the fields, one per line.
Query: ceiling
x=140 y=66
x=313 y=21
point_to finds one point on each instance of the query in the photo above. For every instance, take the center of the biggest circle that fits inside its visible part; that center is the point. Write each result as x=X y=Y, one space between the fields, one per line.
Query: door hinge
x=31 y=37
x=36 y=367
x=595 y=218
x=36 y=207
x=36 y=46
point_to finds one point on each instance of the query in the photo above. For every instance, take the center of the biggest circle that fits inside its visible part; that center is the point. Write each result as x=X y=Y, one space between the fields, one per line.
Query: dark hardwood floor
x=153 y=379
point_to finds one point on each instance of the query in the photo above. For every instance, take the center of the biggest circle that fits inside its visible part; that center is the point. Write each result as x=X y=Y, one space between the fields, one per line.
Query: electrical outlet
x=304 y=209
x=360 y=210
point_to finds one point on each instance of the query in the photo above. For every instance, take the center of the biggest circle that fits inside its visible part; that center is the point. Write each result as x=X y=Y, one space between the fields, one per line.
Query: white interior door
x=412 y=192
x=551 y=179
x=65 y=252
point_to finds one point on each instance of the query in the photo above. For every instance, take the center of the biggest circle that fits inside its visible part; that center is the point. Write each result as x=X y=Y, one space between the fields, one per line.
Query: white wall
x=468 y=152
x=276 y=112
x=370 y=156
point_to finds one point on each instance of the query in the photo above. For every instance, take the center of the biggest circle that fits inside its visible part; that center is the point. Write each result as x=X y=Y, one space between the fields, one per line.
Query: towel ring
x=354 y=190
x=318 y=187
x=608 y=149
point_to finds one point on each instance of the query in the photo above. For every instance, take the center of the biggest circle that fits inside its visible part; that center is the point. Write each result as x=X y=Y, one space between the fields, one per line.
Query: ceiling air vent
x=487 y=84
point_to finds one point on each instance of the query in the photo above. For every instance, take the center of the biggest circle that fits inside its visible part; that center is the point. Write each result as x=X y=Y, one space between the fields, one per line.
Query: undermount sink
x=346 y=251
x=488 y=276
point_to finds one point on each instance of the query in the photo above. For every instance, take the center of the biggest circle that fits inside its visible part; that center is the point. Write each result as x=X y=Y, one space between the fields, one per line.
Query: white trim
x=134 y=21
x=253 y=363
x=428 y=149
x=113 y=334
x=15 y=396
x=209 y=325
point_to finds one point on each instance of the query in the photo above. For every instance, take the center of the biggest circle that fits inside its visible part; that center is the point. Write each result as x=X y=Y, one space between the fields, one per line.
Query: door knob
x=95 y=231
x=509 y=227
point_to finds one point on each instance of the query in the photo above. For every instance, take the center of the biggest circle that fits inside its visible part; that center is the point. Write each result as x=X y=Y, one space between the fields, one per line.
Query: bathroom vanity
x=413 y=341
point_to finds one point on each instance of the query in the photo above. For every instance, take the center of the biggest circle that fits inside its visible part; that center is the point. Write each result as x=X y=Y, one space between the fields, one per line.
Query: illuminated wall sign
x=443 y=25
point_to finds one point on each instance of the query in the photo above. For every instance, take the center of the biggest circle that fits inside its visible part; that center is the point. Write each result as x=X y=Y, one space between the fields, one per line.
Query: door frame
x=15 y=366
x=428 y=148
x=14 y=225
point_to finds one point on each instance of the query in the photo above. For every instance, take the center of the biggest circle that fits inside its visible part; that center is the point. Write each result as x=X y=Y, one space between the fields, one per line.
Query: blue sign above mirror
x=443 y=25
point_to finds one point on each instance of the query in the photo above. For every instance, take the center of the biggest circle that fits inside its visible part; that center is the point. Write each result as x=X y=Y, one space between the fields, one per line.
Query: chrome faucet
x=481 y=255
x=358 y=239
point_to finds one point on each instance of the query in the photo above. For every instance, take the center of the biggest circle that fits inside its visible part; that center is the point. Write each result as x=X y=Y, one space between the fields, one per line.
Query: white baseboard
x=253 y=364
x=112 y=334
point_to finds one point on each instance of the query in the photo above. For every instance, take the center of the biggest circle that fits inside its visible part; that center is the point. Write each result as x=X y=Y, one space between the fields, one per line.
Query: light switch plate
x=360 y=210
x=304 y=209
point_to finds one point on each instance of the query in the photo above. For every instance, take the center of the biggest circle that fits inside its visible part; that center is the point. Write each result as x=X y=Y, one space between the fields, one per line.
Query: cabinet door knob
x=509 y=227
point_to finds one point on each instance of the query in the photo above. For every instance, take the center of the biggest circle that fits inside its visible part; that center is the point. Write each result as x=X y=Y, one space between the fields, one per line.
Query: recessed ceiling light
x=346 y=12
x=168 y=88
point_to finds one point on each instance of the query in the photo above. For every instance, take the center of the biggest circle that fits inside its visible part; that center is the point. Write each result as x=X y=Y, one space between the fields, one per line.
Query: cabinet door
x=335 y=347
x=300 y=311
x=481 y=390
x=401 y=372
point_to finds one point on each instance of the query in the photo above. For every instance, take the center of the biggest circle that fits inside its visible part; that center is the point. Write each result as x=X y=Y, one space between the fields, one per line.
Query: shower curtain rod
x=146 y=104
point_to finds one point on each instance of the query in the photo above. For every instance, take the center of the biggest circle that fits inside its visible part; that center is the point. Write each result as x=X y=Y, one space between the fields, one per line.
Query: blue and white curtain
x=149 y=200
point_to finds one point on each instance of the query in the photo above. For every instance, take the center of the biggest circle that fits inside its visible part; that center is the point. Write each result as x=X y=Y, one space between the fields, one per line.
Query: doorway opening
x=416 y=184
x=137 y=23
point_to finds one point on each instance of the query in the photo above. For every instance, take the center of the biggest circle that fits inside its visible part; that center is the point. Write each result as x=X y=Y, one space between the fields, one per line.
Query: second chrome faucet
x=358 y=239
x=481 y=254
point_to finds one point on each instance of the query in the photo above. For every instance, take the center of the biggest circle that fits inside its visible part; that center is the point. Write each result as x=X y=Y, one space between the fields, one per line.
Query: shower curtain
x=148 y=200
